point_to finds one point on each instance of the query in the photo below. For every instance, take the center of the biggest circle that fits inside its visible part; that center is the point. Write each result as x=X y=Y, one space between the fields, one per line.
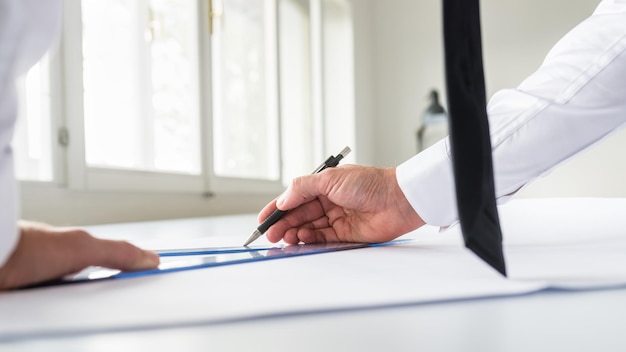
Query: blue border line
x=208 y=251
x=214 y=251
x=132 y=274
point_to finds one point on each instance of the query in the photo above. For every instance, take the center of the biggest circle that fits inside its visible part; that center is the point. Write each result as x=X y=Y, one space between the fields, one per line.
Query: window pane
x=245 y=124
x=338 y=75
x=32 y=141
x=296 y=88
x=140 y=79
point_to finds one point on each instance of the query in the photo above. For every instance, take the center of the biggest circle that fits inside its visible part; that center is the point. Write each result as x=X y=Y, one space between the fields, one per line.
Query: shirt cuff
x=8 y=243
x=9 y=203
x=9 y=233
x=427 y=182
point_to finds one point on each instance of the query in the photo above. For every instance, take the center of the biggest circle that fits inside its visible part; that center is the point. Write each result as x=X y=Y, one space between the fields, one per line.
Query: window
x=191 y=96
x=140 y=83
x=316 y=81
x=296 y=83
x=244 y=71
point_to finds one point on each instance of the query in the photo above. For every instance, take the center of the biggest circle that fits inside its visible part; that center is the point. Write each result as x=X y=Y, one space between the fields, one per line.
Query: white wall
x=406 y=61
x=65 y=207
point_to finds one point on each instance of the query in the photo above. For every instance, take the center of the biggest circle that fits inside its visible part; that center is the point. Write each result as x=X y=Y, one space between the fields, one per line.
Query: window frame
x=218 y=184
x=69 y=167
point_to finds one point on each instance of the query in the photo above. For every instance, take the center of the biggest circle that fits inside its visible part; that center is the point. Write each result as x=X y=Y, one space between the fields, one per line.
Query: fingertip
x=291 y=237
x=307 y=236
x=280 y=202
x=148 y=260
x=266 y=211
x=125 y=256
x=272 y=237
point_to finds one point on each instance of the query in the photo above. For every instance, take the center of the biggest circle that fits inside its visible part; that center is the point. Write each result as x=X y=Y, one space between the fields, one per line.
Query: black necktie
x=469 y=132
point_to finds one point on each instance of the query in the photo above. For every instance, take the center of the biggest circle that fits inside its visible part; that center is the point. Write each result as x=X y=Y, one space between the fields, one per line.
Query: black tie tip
x=494 y=259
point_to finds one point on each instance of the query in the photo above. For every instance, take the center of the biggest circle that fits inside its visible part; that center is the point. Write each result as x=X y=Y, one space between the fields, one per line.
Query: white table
x=547 y=320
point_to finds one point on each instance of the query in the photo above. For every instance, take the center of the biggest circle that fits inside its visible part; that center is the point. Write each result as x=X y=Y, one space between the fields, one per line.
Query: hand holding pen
x=345 y=204
x=332 y=161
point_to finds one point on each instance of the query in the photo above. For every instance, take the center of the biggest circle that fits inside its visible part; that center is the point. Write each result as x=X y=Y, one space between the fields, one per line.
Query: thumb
x=302 y=190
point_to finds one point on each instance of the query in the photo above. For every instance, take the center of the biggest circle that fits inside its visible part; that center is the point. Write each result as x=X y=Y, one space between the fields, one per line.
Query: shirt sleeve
x=8 y=189
x=575 y=99
x=27 y=27
x=9 y=35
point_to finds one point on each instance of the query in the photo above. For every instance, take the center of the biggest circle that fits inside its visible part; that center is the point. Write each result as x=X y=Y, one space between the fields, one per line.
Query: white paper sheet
x=572 y=243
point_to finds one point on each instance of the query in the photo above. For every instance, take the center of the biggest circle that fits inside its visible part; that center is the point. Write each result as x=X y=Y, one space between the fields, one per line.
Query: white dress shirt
x=27 y=28
x=575 y=99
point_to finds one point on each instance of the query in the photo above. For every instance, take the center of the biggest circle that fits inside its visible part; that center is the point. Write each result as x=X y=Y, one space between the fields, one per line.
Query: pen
x=332 y=161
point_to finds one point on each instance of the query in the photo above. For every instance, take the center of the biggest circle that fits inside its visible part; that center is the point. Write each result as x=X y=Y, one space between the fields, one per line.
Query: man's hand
x=44 y=253
x=344 y=204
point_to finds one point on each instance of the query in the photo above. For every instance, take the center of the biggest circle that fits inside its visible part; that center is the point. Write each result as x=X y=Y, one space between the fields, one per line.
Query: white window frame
x=69 y=165
x=229 y=185
x=80 y=176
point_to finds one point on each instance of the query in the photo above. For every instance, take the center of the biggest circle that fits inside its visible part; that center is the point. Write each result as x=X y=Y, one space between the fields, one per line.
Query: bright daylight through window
x=141 y=89
x=189 y=96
